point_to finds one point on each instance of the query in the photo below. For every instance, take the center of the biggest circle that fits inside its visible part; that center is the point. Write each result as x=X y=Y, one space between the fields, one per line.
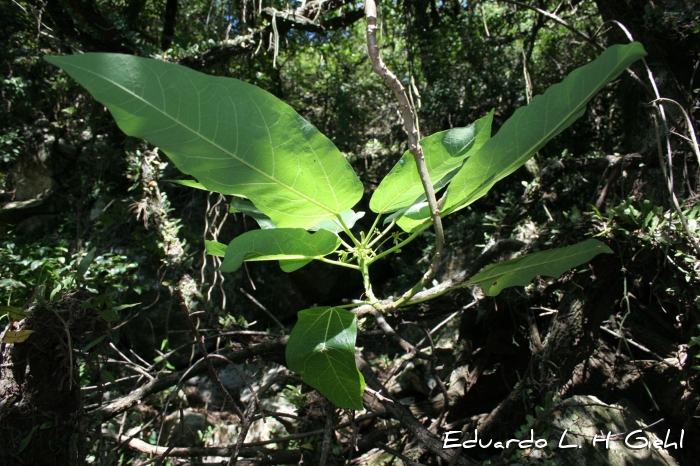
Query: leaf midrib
x=519 y=269
x=226 y=151
x=548 y=136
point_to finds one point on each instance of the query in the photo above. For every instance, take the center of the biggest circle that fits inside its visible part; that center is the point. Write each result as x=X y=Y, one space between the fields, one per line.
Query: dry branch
x=115 y=407
x=404 y=416
x=410 y=126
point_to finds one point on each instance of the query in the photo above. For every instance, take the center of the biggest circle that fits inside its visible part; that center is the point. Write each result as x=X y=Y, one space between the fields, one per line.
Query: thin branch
x=119 y=405
x=557 y=19
x=263 y=308
x=397 y=454
x=397 y=246
x=639 y=346
x=387 y=329
x=409 y=123
x=251 y=449
x=338 y=263
x=200 y=342
x=404 y=416
x=691 y=130
x=668 y=174
x=327 y=431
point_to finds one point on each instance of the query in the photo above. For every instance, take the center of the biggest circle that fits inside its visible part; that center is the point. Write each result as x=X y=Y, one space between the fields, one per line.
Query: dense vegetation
x=98 y=247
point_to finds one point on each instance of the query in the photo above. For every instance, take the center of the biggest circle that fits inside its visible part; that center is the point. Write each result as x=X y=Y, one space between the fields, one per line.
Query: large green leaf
x=283 y=244
x=444 y=153
x=531 y=127
x=552 y=263
x=234 y=138
x=321 y=348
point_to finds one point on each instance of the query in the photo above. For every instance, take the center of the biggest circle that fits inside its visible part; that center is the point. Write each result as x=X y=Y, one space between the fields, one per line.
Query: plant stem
x=403 y=243
x=409 y=123
x=347 y=231
x=364 y=264
x=351 y=305
x=347 y=246
x=371 y=231
x=341 y=264
x=382 y=234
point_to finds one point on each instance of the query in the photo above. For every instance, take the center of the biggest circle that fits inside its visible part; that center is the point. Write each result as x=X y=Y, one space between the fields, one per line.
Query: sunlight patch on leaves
x=321 y=349
x=233 y=137
x=531 y=127
x=444 y=153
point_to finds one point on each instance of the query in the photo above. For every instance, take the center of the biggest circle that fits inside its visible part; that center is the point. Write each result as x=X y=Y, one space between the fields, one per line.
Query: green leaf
x=85 y=264
x=418 y=211
x=215 y=248
x=94 y=343
x=109 y=315
x=124 y=306
x=350 y=217
x=25 y=441
x=279 y=244
x=531 y=127
x=444 y=152
x=246 y=207
x=321 y=348
x=12 y=312
x=16 y=336
x=292 y=265
x=552 y=263
x=234 y=138
x=55 y=296
x=107 y=376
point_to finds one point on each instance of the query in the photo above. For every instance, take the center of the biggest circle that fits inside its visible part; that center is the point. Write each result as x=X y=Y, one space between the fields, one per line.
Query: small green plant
x=293 y=394
x=238 y=140
x=543 y=431
x=656 y=228
x=30 y=271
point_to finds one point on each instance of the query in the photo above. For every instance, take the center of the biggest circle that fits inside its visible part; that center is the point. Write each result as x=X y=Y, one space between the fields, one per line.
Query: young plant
x=239 y=140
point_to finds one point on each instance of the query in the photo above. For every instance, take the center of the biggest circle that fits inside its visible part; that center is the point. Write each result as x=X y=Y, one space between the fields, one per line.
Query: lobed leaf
x=531 y=127
x=444 y=152
x=321 y=348
x=283 y=244
x=233 y=137
x=552 y=263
